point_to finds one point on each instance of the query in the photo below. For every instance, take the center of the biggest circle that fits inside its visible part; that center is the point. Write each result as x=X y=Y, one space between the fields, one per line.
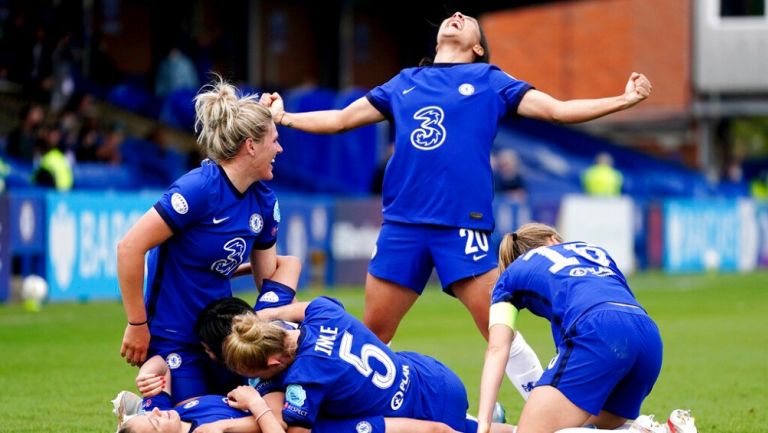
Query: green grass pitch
x=60 y=367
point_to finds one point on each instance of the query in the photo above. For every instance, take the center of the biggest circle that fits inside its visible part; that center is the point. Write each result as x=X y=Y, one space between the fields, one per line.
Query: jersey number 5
x=362 y=363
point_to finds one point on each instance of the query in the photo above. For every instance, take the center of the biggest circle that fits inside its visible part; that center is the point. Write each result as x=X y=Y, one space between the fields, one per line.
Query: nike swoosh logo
x=476 y=257
x=406 y=91
x=220 y=220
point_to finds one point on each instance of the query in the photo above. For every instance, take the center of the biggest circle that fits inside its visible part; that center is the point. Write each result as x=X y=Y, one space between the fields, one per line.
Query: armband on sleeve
x=502 y=313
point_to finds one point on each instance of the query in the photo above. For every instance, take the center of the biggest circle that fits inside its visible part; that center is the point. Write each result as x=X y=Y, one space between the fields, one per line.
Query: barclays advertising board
x=83 y=232
x=709 y=235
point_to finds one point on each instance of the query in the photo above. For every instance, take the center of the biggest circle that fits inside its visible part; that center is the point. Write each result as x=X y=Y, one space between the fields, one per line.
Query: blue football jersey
x=208 y=408
x=214 y=229
x=343 y=370
x=562 y=282
x=446 y=117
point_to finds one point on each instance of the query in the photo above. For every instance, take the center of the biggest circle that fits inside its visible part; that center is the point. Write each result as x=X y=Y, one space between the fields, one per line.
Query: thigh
x=386 y=303
x=460 y=254
x=549 y=410
x=401 y=256
x=475 y=294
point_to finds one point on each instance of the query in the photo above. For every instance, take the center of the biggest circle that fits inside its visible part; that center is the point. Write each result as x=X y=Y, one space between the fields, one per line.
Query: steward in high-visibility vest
x=602 y=179
x=55 y=170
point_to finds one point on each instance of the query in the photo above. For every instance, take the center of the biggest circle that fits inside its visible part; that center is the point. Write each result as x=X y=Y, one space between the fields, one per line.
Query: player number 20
x=476 y=241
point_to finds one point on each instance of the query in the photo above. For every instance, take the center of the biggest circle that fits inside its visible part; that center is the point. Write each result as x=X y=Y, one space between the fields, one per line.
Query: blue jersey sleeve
x=381 y=96
x=186 y=202
x=308 y=382
x=271 y=209
x=510 y=89
x=505 y=288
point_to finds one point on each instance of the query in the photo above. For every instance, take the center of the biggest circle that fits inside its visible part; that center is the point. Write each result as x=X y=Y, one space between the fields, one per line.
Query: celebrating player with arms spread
x=438 y=186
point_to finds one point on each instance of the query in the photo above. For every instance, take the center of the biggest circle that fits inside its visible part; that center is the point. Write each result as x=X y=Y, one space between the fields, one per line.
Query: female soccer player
x=438 y=190
x=202 y=228
x=608 y=349
x=335 y=367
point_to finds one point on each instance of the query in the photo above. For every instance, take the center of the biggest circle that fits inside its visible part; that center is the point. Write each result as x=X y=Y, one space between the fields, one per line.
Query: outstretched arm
x=539 y=105
x=358 y=113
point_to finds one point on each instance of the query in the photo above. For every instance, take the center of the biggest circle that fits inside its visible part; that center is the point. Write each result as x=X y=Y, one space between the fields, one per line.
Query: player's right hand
x=150 y=384
x=275 y=103
x=135 y=344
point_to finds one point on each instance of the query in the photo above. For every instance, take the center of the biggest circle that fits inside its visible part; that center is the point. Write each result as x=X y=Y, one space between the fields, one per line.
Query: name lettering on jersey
x=399 y=397
x=326 y=340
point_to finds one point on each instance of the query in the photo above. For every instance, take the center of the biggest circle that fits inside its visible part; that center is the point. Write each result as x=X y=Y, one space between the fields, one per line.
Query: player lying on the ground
x=213 y=414
x=609 y=349
x=335 y=367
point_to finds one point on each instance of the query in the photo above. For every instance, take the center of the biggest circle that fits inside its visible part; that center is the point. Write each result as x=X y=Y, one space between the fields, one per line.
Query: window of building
x=742 y=8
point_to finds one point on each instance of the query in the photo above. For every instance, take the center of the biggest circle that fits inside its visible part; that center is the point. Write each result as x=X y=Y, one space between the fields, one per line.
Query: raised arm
x=539 y=105
x=149 y=231
x=358 y=113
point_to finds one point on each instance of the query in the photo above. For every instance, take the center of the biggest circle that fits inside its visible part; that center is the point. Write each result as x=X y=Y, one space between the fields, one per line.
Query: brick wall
x=588 y=48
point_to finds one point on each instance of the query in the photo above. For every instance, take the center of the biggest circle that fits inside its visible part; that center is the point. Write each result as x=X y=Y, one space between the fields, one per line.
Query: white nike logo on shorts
x=476 y=257
x=220 y=220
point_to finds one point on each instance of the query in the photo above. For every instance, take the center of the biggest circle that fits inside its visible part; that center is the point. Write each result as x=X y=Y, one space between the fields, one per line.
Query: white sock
x=523 y=367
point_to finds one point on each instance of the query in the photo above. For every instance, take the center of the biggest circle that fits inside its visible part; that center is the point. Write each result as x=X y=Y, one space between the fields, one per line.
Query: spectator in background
x=55 y=169
x=109 y=150
x=601 y=179
x=507 y=180
x=88 y=141
x=22 y=140
x=176 y=71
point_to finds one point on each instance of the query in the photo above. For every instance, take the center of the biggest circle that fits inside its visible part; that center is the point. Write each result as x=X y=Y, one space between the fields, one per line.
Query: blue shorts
x=406 y=253
x=193 y=373
x=609 y=360
x=441 y=395
x=370 y=424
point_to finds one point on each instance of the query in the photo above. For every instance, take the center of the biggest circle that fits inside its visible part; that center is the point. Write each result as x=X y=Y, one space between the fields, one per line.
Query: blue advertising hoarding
x=83 y=232
x=702 y=235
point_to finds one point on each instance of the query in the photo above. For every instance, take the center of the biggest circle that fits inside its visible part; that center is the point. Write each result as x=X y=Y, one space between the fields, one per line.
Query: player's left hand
x=638 y=88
